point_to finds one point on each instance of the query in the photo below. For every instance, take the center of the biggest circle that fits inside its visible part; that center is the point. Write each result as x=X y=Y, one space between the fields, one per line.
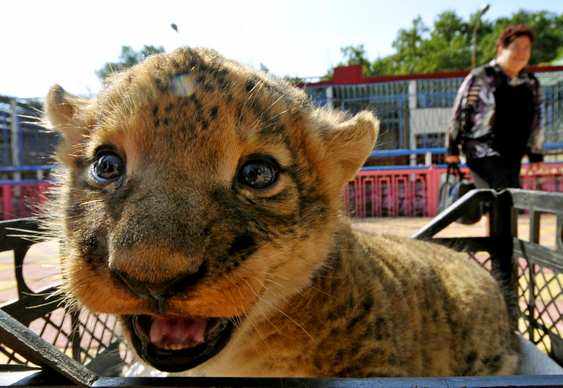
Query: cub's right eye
x=108 y=167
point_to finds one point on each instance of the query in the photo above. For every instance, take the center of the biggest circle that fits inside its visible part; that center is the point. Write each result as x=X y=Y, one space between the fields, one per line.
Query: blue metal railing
x=438 y=151
x=46 y=167
x=23 y=182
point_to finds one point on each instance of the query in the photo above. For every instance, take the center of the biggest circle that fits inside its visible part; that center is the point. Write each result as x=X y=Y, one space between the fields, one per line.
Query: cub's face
x=197 y=193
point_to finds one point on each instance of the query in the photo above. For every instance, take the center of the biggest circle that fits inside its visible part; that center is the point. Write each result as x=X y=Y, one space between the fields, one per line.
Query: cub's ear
x=63 y=111
x=350 y=143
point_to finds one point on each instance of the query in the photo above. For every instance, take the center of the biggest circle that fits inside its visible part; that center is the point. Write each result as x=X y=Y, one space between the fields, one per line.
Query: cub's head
x=196 y=192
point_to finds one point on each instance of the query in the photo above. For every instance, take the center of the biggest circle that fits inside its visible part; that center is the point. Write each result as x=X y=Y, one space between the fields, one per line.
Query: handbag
x=453 y=188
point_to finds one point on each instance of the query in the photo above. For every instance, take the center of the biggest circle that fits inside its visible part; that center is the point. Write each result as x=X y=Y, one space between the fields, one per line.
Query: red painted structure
x=414 y=192
x=392 y=193
x=22 y=199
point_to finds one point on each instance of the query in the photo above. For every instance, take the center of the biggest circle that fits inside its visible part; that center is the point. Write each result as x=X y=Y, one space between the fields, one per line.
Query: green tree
x=385 y=65
x=446 y=45
x=294 y=80
x=409 y=45
x=355 y=55
x=128 y=58
x=352 y=55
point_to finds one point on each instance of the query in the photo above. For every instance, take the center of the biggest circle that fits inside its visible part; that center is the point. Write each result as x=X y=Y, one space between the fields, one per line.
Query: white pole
x=16 y=157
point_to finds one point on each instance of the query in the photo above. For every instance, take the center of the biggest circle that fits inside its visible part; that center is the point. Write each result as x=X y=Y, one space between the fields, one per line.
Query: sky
x=65 y=42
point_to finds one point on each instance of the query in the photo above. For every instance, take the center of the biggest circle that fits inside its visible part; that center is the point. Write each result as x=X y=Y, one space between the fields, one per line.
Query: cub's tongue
x=177 y=332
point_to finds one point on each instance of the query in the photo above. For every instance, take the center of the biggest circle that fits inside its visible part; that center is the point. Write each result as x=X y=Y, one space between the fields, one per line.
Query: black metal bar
x=44 y=377
x=538 y=254
x=559 y=232
x=535 y=218
x=11 y=233
x=538 y=200
x=31 y=307
x=16 y=368
x=19 y=258
x=37 y=350
x=75 y=335
x=455 y=211
x=501 y=219
x=432 y=382
x=106 y=328
x=556 y=351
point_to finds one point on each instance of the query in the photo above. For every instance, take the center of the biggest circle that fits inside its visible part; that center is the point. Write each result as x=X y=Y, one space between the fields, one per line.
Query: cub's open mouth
x=174 y=343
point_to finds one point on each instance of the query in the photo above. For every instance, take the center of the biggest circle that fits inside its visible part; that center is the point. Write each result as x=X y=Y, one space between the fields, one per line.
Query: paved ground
x=40 y=270
x=408 y=226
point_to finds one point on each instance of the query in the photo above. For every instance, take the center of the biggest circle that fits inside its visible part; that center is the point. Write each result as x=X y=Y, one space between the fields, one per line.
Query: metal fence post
x=535 y=218
x=330 y=97
x=502 y=226
x=412 y=106
x=15 y=138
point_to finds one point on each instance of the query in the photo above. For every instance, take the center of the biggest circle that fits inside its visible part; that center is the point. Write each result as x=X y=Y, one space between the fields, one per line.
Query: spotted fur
x=311 y=297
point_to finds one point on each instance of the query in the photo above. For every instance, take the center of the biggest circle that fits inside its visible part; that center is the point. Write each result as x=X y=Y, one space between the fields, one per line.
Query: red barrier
x=414 y=192
x=22 y=198
x=393 y=193
x=549 y=177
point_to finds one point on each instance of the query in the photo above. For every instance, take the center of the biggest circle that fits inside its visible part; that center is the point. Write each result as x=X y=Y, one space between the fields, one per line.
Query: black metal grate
x=482 y=258
x=97 y=333
x=544 y=315
x=91 y=339
x=10 y=357
x=538 y=279
x=83 y=336
x=540 y=315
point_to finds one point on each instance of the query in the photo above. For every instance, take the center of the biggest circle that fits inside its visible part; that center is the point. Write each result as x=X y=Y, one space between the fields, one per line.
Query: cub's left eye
x=107 y=168
x=259 y=173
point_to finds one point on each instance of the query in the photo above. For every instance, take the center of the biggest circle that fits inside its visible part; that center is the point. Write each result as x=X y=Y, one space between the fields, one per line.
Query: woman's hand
x=452 y=159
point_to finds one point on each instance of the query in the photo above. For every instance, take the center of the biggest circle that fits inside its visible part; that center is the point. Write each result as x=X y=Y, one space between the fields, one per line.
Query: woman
x=497 y=114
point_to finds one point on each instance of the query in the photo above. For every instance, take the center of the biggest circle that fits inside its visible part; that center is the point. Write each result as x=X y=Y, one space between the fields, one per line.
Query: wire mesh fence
x=540 y=301
x=416 y=113
x=536 y=277
x=23 y=140
x=83 y=336
x=91 y=339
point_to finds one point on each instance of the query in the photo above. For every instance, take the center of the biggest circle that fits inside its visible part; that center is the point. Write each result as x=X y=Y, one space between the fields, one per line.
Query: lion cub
x=200 y=202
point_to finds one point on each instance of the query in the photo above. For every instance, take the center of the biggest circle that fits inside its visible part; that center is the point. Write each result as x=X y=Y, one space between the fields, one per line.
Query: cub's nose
x=152 y=264
x=158 y=293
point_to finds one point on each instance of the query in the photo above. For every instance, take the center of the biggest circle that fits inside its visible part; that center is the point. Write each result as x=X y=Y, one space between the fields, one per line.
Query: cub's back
x=455 y=303
x=391 y=306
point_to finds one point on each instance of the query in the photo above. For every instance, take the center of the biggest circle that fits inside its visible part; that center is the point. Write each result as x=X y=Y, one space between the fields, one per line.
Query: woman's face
x=517 y=54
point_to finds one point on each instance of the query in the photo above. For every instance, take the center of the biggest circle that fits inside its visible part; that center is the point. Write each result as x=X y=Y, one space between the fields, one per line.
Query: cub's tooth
x=176 y=346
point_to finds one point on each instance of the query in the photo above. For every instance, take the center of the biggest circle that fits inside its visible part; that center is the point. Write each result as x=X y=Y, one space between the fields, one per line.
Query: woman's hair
x=512 y=32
